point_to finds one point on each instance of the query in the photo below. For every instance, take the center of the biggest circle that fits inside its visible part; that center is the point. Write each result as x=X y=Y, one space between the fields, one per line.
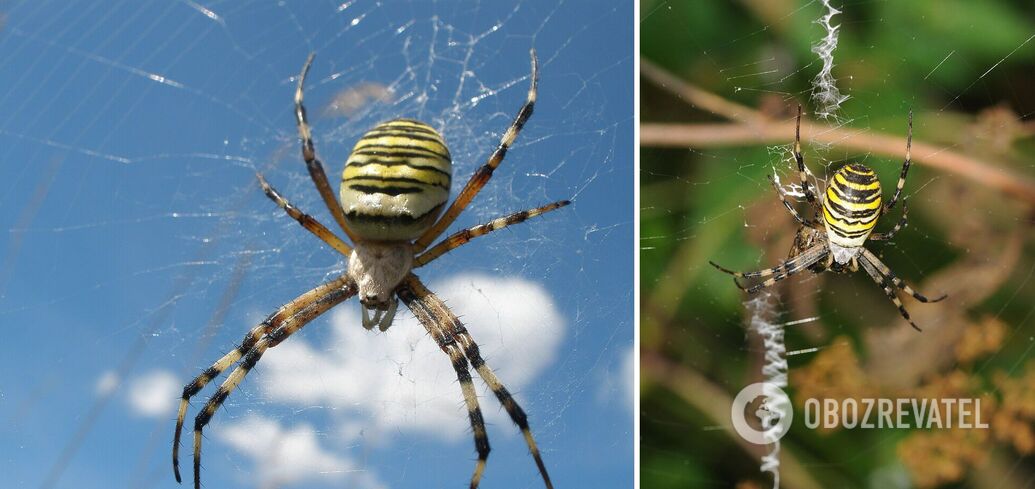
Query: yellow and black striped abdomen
x=396 y=181
x=852 y=205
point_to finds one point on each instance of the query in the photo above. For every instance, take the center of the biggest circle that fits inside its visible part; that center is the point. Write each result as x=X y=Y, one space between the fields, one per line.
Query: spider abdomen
x=396 y=181
x=851 y=207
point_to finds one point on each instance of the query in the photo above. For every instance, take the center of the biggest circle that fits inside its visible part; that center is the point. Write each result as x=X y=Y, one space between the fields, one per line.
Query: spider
x=850 y=208
x=394 y=188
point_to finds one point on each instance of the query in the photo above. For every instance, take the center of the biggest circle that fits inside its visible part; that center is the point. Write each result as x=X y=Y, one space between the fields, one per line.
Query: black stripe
x=253 y=357
x=516 y=413
x=199 y=382
x=377 y=133
x=403 y=219
x=854 y=196
x=393 y=147
x=849 y=222
x=406 y=163
x=474 y=355
x=384 y=150
x=847 y=234
x=393 y=191
x=522 y=118
x=845 y=212
x=885 y=285
x=372 y=178
x=376 y=178
x=855 y=192
x=210 y=373
x=858 y=168
x=857 y=178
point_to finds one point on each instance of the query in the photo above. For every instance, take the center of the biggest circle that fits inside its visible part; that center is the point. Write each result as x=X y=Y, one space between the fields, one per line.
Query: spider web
x=705 y=196
x=140 y=247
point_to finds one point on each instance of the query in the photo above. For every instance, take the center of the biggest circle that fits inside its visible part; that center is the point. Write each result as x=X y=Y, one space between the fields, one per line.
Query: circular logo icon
x=774 y=413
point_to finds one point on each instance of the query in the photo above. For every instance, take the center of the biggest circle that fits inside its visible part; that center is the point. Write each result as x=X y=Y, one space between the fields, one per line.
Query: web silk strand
x=825 y=93
x=774 y=371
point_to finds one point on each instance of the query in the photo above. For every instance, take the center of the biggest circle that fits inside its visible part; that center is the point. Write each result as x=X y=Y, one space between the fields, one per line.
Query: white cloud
x=400 y=381
x=154 y=393
x=286 y=456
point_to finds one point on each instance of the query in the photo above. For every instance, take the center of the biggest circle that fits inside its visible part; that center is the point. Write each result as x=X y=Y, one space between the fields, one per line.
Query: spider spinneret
x=850 y=208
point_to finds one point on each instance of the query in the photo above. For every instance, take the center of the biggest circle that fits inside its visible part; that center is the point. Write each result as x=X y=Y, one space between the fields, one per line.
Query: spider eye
x=396 y=181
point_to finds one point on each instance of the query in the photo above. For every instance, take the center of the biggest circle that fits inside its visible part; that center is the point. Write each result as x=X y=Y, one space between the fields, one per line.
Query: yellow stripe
x=833 y=222
x=426 y=177
x=866 y=171
x=406 y=123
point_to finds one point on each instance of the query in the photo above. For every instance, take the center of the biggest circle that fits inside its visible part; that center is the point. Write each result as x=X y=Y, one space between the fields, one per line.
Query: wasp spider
x=393 y=190
x=849 y=208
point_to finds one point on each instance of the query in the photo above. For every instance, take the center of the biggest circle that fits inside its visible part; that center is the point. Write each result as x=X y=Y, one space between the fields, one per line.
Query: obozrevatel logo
x=774 y=413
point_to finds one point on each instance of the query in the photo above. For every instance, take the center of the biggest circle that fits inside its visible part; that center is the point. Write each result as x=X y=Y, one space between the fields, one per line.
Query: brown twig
x=698 y=97
x=754 y=128
x=774 y=132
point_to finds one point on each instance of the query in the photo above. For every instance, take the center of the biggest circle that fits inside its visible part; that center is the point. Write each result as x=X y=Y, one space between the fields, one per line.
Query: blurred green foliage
x=967 y=70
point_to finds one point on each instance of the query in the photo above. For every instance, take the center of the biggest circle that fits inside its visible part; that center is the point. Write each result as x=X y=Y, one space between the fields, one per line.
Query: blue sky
x=138 y=247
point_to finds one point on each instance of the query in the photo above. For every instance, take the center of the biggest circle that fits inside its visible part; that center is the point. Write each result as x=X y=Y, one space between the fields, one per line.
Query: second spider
x=844 y=220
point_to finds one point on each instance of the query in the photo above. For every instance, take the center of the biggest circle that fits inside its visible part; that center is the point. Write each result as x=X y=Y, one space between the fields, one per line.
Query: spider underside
x=843 y=222
x=382 y=257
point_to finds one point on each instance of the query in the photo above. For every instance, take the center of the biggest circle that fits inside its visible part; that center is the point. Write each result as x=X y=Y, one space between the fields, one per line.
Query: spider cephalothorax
x=393 y=192
x=843 y=222
x=377 y=268
x=806 y=238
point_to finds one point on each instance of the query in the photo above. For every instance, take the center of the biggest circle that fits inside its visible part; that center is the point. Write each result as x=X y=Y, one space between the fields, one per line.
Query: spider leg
x=482 y=176
x=435 y=315
x=273 y=321
x=308 y=222
x=885 y=283
x=898 y=226
x=897 y=282
x=905 y=169
x=447 y=342
x=339 y=290
x=779 y=272
x=790 y=208
x=769 y=282
x=792 y=266
x=803 y=174
x=312 y=163
x=461 y=238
